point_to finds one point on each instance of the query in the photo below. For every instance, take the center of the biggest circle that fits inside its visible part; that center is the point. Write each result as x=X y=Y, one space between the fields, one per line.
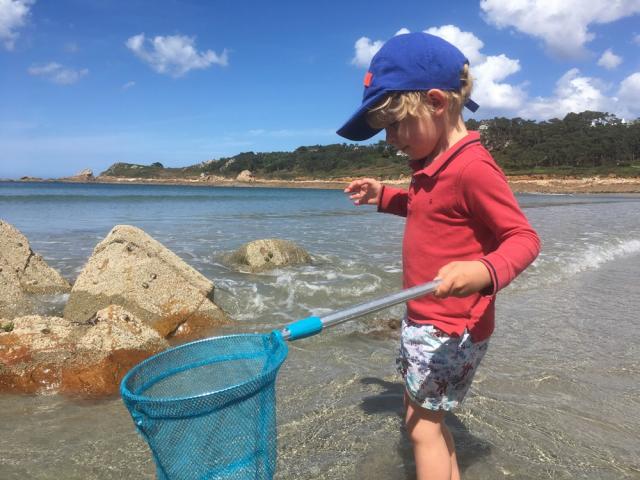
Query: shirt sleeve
x=486 y=195
x=393 y=200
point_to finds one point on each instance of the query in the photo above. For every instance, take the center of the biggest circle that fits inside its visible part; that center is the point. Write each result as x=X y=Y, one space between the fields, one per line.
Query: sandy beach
x=542 y=184
x=519 y=184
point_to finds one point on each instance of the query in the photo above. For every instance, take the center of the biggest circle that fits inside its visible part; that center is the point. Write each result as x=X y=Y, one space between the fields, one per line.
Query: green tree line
x=587 y=141
x=581 y=143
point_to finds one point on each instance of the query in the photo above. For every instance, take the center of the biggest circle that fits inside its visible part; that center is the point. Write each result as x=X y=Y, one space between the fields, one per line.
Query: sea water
x=557 y=395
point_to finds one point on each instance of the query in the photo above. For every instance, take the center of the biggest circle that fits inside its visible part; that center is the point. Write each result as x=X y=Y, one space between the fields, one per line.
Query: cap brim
x=357 y=128
x=471 y=105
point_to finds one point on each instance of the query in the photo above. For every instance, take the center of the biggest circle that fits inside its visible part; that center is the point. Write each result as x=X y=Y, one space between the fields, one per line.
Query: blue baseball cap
x=407 y=62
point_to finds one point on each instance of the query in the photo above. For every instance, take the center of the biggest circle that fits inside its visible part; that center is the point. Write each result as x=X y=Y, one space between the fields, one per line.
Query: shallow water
x=557 y=395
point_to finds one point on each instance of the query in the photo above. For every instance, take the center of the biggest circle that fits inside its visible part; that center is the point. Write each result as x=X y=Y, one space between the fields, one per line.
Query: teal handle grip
x=304 y=328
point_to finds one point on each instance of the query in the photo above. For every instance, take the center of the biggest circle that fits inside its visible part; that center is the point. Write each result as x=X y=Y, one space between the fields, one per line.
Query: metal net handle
x=312 y=325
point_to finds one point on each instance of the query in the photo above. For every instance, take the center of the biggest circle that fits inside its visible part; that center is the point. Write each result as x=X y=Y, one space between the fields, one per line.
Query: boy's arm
x=486 y=196
x=393 y=200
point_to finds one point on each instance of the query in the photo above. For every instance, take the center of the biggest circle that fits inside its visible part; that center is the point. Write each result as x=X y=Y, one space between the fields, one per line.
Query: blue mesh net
x=208 y=408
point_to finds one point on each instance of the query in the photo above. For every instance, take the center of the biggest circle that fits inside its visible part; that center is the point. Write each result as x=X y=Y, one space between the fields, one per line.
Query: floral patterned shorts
x=437 y=369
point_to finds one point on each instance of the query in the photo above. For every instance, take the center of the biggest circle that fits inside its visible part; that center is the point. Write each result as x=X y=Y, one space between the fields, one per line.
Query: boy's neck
x=451 y=134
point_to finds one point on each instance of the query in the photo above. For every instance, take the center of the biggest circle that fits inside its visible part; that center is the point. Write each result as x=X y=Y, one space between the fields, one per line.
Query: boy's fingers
x=356 y=184
x=443 y=289
x=362 y=191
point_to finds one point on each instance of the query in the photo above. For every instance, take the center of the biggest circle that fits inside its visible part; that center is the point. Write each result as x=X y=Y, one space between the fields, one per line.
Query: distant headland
x=588 y=152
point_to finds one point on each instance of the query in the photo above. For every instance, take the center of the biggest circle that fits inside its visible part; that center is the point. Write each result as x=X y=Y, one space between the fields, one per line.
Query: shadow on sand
x=468 y=448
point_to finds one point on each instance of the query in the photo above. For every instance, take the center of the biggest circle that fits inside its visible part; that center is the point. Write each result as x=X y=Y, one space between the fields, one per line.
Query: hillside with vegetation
x=587 y=143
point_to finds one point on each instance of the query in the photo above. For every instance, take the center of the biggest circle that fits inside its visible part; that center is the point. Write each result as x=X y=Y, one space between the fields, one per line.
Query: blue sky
x=86 y=83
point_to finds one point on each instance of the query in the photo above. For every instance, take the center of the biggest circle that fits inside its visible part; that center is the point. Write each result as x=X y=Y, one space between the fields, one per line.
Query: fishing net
x=208 y=408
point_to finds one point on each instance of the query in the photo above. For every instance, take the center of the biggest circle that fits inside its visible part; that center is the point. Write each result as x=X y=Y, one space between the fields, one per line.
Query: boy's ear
x=438 y=100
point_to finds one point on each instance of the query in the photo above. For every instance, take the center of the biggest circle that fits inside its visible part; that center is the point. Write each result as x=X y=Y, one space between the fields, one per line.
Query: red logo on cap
x=367 y=79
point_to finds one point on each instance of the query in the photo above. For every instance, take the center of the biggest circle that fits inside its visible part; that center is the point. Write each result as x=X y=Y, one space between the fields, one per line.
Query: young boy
x=463 y=226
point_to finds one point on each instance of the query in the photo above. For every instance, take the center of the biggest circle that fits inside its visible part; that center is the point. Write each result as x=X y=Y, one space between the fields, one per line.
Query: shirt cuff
x=492 y=289
x=393 y=200
x=380 y=199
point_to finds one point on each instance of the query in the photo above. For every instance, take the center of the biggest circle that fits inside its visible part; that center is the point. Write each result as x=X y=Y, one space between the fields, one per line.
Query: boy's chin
x=412 y=154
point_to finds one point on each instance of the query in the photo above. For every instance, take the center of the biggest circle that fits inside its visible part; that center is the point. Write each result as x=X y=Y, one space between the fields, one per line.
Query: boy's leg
x=455 y=472
x=432 y=443
x=438 y=370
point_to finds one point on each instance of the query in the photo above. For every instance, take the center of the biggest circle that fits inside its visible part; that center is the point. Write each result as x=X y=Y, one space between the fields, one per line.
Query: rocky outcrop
x=31 y=271
x=82 y=176
x=245 y=176
x=86 y=174
x=265 y=254
x=131 y=269
x=52 y=354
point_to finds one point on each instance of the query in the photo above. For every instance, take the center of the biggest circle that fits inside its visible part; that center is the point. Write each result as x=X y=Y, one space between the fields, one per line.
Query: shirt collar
x=437 y=163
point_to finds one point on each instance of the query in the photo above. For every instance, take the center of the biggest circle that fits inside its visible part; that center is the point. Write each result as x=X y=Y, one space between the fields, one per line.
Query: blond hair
x=396 y=106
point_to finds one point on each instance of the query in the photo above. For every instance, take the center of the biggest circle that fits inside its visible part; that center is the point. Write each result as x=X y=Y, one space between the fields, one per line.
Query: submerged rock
x=31 y=271
x=382 y=329
x=269 y=253
x=131 y=269
x=52 y=354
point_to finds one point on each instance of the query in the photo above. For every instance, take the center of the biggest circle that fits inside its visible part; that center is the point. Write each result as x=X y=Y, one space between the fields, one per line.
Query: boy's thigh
x=438 y=369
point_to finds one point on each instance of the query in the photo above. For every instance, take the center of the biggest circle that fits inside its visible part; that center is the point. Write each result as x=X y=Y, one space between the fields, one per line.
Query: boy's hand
x=365 y=191
x=460 y=279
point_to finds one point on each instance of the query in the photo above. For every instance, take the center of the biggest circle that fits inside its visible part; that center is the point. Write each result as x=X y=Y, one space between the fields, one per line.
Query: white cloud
x=629 y=94
x=58 y=73
x=365 y=50
x=573 y=93
x=576 y=93
x=636 y=39
x=13 y=15
x=128 y=85
x=563 y=26
x=490 y=91
x=609 y=60
x=467 y=42
x=174 y=55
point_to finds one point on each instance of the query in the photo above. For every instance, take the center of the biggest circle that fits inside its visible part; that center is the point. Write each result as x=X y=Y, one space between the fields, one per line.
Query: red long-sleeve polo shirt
x=460 y=207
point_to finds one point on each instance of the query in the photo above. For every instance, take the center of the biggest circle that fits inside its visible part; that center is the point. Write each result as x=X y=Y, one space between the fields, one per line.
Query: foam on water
x=572 y=260
x=597 y=255
x=52 y=304
x=283 y=295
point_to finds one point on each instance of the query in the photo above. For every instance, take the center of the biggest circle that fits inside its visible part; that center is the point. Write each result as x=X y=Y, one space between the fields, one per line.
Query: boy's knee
x=423 y=426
